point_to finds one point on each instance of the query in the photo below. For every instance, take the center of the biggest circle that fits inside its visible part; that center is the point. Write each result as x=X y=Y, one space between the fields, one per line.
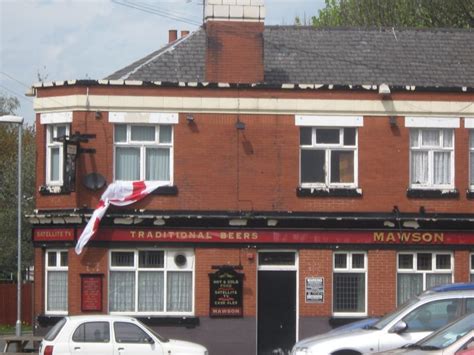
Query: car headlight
x=301 y=350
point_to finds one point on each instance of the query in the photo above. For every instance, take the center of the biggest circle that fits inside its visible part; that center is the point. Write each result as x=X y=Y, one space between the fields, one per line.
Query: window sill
x=433 y=193
x=53 y=190
x=331 y=192
x=470 y=194
x=166 y=191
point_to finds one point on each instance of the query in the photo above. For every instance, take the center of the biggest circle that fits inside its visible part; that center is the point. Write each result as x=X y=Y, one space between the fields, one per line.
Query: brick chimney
x=234 y=29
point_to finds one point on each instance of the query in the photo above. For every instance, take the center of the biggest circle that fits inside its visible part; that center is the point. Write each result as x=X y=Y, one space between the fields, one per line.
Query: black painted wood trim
x=314 y=192
x=433 y=194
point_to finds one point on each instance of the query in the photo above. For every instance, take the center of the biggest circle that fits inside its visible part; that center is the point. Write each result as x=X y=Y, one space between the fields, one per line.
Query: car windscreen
x=162 y=338
x=54 y=331
x=391 y=316
x=449 y=334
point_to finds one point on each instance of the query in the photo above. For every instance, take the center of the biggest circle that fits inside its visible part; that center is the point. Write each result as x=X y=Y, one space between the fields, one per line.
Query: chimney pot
x=184 y=33
x=172 y=35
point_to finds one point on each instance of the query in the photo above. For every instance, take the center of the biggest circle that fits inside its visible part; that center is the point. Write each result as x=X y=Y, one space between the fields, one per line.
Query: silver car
x=410 y=323
x=456 y=338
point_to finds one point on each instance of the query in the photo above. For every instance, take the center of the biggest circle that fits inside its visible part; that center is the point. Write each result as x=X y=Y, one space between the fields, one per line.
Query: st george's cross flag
x=119 y=193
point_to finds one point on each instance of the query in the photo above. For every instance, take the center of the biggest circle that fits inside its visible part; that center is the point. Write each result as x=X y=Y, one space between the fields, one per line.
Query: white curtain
x=165 y=134
x=57 y=291
x=122 y=291
x=54 y=166
x=408 y=285
x=179 y=291
x=143 y=133
x=419 y=167
x=442 y=168
x=448 y=138
x=151 y=291
x=127 y=164
x=437 y=279
x=430 y=138
x=157 y=164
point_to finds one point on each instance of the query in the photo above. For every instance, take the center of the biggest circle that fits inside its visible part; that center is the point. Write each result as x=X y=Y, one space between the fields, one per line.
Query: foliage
x=396 y=13
x=9 y=189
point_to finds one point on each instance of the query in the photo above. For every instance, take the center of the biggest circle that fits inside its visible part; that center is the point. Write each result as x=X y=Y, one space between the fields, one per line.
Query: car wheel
x=346 y=352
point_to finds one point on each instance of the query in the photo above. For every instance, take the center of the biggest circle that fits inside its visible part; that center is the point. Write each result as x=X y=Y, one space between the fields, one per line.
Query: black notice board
x=226 y=286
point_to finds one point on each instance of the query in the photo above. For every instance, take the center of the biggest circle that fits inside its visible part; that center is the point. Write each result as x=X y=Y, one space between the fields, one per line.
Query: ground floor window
x=56 y=281
x=350 y=283
x=418 y=271
x=151 y=281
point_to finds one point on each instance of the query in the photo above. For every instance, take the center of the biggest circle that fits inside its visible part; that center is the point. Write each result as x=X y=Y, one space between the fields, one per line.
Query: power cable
x=19 y=96
x=155 y=11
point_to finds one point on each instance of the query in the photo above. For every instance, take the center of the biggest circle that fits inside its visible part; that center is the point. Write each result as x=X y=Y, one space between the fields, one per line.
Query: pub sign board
x=226 y=293
x=91 y=292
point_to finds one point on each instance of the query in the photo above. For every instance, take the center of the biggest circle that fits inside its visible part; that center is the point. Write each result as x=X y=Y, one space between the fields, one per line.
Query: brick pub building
x=310 y=177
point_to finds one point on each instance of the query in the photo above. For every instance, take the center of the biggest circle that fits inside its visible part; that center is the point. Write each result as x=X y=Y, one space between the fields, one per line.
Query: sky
x=90 y=39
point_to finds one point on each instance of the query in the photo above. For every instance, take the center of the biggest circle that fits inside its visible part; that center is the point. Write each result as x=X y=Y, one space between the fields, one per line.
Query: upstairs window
x=328 y=157
x=432 y=158
x=55 y=153
x=143 y=152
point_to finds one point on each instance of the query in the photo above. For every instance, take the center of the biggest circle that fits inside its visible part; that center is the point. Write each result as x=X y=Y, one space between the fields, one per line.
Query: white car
x=111 y=335
x=410 y=323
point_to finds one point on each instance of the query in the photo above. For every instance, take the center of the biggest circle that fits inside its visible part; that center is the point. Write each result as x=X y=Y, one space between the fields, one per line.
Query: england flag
x=119 y=193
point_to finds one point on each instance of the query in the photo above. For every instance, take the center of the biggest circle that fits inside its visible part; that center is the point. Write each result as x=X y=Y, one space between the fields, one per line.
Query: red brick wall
x=315 y=263
x=461 y=266
x=207 y=257
x=39 y=286
x=234 y=52
x=258 y=168
x=91 y=261
x=382 y=281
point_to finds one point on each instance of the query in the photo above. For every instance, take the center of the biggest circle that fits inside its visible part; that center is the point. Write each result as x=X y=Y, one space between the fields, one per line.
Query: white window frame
x=434 y=270
x=56 y=267
x=168 y=253
x=431 y=150
x=350 y=269
x=51 y=132
x=142 y=145
x=472 y=266
x=328 y=148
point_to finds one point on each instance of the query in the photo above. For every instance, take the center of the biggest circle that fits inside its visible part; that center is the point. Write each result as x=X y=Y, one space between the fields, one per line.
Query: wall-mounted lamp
x=190 y=118
x=393 y=121
x=384 y=89
x=237 y=222
x=98 y=115
x=239 y=125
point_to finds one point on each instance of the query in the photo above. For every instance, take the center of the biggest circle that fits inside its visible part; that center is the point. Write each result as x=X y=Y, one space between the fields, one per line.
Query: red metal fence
x=8 y=303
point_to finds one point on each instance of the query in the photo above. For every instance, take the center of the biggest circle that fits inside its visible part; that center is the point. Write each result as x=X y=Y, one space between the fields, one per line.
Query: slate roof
x=306 y=55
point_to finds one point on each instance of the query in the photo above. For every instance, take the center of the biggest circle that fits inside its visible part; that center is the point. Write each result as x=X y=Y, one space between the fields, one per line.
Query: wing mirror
x=150 y=340
x=399 y=327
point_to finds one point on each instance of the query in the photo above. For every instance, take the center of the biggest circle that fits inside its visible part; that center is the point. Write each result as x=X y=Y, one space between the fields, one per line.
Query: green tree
x=9 y=189
x=396 y=13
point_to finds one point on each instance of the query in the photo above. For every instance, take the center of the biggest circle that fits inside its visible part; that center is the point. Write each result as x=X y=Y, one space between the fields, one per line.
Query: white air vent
x=181 y=259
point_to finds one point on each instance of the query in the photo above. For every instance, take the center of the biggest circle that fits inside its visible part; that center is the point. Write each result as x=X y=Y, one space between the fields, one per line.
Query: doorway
x=277 y=303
